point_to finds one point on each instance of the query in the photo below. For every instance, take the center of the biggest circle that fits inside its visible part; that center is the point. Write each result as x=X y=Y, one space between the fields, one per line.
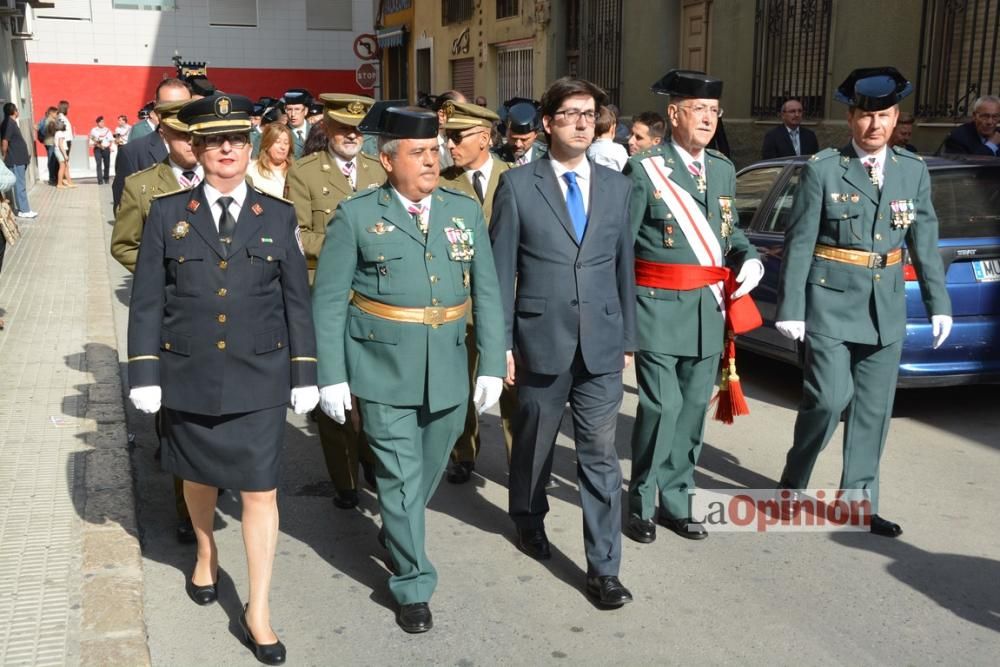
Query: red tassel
x=730 y=401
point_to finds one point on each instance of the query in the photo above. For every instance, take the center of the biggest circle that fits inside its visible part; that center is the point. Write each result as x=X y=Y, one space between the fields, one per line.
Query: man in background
x=789 y=138
x=647 y=131
x=981 y=135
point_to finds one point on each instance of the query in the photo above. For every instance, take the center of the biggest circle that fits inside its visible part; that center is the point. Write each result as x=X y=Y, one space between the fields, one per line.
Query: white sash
x=689 y=218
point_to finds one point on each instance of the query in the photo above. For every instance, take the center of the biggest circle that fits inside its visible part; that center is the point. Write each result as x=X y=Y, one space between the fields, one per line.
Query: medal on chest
x=726 y=212
x=461 y=242
x=902 y=213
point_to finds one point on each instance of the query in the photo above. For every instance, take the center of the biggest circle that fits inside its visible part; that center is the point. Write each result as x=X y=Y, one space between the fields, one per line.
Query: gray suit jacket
x=559 y=295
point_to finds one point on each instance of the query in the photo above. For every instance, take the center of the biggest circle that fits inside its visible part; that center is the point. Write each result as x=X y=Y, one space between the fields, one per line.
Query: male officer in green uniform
x=682 y=211
x=316 y=184
x=841 y=288
x=521 y=126
x=179 y=171
x=255 y=129
x=476 y=172
x=297 y=101
x=413 y=254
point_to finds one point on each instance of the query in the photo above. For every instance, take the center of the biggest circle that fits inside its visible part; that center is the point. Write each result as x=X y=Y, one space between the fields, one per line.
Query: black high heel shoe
x=203 y=595
x=269 y=654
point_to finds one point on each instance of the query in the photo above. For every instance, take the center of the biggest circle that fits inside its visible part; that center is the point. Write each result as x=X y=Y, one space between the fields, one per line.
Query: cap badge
x=448 y=108
x=180 y=230
x=355 y=107
x=223 y=106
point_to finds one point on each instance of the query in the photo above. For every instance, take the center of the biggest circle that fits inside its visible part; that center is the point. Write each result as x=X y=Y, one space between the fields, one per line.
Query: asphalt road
x=932 y=596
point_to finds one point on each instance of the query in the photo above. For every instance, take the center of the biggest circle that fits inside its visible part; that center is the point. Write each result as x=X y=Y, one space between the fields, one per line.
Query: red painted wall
x=111 y=90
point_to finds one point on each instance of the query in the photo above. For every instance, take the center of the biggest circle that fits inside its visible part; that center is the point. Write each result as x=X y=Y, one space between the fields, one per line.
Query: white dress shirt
x=239 y=195
x=486 y=170
x=879 y=159
x=687 y=159
x=582 y=171
x=407 y=203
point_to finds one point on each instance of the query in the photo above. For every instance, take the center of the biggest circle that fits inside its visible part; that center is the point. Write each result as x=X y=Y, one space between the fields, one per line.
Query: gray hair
x=388 y=145
x=985 y=99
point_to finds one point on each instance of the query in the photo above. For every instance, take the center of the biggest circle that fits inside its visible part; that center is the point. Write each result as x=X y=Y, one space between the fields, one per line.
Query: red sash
x=741 y=315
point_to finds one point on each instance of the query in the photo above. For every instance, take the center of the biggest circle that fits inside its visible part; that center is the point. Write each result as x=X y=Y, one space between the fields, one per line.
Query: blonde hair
x=270 y=135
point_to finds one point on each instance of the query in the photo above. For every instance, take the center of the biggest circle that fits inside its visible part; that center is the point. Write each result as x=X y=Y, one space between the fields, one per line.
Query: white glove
x=749 y=277
x=304 y=399
x=146 y=399
x=487 y=392
x=335 y=401
x=940 y=328
x=793 y=329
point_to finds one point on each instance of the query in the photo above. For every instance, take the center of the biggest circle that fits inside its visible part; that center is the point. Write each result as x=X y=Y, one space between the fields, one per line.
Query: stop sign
x=366 y=76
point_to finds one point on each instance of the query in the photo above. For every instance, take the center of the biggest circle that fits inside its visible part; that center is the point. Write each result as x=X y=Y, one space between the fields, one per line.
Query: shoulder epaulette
x=268 y=194
x=824 y=154
x=718 y=154
x=308 y=159
x=456 y=192
x=170 y=194
x=902 y=152
x=648 y=152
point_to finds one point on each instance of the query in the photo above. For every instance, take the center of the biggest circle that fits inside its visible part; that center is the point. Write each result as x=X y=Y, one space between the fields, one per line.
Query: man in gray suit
x=563 y=253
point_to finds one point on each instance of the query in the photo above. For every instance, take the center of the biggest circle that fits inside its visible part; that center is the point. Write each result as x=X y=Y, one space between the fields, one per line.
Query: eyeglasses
x=215 y=141
x=573 y=115
x=701 y=110
x=991 y=116
x=457 y=136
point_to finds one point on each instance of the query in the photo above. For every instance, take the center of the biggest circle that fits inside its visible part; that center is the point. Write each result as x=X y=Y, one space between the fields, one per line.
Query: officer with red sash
x=692 y=268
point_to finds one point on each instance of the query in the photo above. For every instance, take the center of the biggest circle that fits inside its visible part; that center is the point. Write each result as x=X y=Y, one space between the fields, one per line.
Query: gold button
x=844 y=215
x=670 y=216
x=709 y=215
x=280 y=345
x=180 y=260
x=434 y=279
x=434 y=302
x=221 y=318
x=326 y=210
x=878 y=237
x=166 y=346
x=429 y=256
x=652 y=293
x=878 y=276
x=221 y=345
x=822 y=280
x=222 y=291
x=879 y=216
x=223 y=264
x=381 y=258
x=270 y=259
x=371 y=335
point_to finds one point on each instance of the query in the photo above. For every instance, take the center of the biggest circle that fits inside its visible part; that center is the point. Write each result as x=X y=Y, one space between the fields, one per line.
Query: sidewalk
x=70 y=567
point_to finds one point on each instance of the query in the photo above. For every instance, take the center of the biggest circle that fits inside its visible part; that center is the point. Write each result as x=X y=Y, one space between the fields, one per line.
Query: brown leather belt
x=871 y=260
x=430 y=315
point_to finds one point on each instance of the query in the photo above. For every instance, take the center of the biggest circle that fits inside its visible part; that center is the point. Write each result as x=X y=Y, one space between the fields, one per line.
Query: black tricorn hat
x=258 y=109
x=370 y=123
x=217 y=114
x=522 y=115
x=315 y=109
x=270 y=115
x=688 y=83
x=297 y=96
x=400 y=122
x=873 y=88
x=201 y=86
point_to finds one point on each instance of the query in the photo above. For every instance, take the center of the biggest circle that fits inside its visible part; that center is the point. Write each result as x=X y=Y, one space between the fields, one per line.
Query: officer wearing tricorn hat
x=317 y=184
x=841 y=289
x=220 y=333
x=297 y=101
x=395 y=275
x=693 y=266
x=521 y=122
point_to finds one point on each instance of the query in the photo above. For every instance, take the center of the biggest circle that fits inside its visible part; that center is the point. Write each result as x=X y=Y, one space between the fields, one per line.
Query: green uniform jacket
x=455 y=178
x=255 y=136
x=298 y=145
x=837 y=205
x=140 y=188
x=683 y=323
x=316 y=186
x=376 y=249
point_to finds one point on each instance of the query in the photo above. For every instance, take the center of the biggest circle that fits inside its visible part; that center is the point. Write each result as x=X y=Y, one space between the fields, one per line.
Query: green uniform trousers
x=839 y=376
x=411 y=447
x=344 y=446
x=667 y=438
x=467 y=446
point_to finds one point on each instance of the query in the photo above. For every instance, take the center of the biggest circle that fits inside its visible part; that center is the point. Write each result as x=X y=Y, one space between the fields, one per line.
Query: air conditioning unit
x=22 y=25
x=9 y=8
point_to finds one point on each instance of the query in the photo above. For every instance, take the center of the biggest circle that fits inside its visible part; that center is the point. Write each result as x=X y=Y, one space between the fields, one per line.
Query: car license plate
x=987 y=270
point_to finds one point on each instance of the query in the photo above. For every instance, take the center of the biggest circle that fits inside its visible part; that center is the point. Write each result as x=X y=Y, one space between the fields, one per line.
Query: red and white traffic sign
x=366 y=76
x=366 y=46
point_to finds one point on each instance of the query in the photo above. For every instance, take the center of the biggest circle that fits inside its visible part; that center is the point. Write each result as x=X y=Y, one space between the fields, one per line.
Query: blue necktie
x=574 y=203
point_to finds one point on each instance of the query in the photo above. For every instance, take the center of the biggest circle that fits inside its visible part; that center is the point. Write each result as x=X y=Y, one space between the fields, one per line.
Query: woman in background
x=269 y=169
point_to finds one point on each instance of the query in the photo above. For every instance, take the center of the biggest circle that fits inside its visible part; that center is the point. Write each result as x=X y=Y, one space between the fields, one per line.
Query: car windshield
x=967 y=201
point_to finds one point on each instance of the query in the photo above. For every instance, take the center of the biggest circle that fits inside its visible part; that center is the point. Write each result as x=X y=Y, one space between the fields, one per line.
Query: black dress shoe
x=415 y=618
x=884 y=527
x=346 y=500
x=185 y=532
x=269 y=654
x=202 y=595
x=532 y=541
x=640 y=530
x=460 y=472
x=608 y=591
x=686 y=528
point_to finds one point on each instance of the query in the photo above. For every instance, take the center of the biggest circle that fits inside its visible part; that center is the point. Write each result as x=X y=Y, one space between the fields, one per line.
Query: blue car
x=966 y=194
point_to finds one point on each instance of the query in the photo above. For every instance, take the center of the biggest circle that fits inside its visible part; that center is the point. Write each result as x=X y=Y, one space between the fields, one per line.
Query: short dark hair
x=99 y=119
x=568 y=86
x=171 y=82
x=63 y=106
x=9 y=108
x=654 y=121
x=123 y=117
x=605 y=120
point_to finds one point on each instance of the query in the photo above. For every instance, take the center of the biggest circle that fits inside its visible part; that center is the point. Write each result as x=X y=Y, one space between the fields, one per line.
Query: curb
x=112 y=624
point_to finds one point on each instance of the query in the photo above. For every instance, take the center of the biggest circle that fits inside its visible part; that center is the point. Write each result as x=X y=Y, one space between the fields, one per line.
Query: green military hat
x=217 y=114
x=346 y=109
x=464 y=116
x=167 y=111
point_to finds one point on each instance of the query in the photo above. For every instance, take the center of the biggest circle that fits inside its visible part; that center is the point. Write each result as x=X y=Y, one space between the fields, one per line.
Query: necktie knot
x=190 y=178
x=225 y=203
x=347 y=168
x=570 y=177
x=574 y=205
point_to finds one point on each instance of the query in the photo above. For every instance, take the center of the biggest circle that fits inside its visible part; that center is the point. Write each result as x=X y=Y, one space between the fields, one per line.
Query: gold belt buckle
x=876 y=261
x=434 y=315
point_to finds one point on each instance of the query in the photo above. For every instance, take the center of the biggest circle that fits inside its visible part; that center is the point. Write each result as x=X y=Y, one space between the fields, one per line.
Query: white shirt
x=101 y=136
x=879 y=159
x=486 y=170
x=179 y=171
x=687 y=159
x=69 y=126
x=425 y=203
x=303 y=128
x=239 y=195
x=582 y=171
x=607 y=153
